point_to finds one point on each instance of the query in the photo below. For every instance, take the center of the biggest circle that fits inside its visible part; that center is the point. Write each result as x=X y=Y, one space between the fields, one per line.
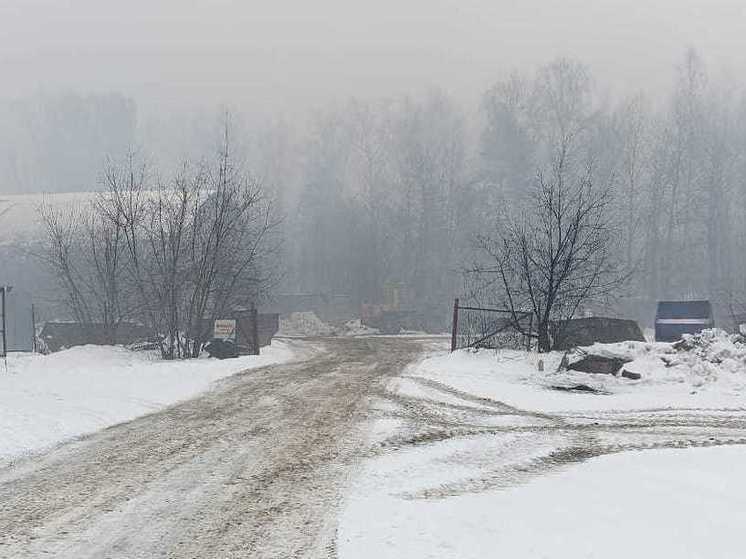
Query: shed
x=675 y=318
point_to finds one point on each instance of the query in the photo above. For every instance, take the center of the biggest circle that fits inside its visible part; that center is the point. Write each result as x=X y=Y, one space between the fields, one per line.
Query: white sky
x=285 y=54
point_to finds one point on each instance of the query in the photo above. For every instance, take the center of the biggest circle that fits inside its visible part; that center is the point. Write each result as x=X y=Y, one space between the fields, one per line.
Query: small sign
x=225 y=329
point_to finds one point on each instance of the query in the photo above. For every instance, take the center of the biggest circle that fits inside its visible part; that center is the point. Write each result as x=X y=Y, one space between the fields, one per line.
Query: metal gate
x=483 y=327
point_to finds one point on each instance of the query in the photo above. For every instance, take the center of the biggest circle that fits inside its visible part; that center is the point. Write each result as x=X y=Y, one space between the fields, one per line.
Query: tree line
x=417 y=191
x=642 y=195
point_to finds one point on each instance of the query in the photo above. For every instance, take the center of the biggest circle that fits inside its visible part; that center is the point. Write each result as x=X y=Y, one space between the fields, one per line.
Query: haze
x=289 y=55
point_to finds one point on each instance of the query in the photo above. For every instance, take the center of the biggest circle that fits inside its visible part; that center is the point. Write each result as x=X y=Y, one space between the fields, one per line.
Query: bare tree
x=199 y=245
x=85 y=252
x=172 y=254
x=554 y=258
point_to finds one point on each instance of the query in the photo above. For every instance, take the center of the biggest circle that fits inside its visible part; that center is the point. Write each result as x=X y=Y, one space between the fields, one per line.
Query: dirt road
x=254 y=468
x=258 y=466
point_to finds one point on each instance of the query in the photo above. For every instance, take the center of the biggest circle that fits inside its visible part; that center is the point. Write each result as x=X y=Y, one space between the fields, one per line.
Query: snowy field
x=667 y=503
x=481 y=456
x=47 y=399
x=711 y=375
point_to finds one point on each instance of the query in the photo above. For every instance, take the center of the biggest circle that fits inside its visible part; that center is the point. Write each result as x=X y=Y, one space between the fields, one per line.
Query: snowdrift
x=47 y=399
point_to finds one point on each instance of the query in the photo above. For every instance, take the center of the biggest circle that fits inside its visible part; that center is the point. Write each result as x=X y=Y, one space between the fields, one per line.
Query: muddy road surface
x=258 y=466
x=254 y=468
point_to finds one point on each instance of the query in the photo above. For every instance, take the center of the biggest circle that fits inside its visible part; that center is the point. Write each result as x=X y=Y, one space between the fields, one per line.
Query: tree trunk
x=545 y=344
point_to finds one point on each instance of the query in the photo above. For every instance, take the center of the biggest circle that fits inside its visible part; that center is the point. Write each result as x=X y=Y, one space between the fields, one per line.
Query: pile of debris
x=709 y=356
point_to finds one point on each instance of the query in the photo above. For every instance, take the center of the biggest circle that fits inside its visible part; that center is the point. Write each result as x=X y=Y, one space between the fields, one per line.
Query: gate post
x=4 y=324
x=454 y=327
x=254 y=329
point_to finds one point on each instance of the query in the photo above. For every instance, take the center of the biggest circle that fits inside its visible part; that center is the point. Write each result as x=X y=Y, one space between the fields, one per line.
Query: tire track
x=578 y=436
x=254 y=468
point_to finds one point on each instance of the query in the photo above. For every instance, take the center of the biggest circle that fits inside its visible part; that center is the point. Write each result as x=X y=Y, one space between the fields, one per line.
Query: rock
x=599 y=364
x=222 y=349
x=631 y=375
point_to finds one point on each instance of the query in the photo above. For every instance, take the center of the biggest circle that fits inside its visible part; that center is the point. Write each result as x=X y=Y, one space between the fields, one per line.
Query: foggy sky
x=290 y=54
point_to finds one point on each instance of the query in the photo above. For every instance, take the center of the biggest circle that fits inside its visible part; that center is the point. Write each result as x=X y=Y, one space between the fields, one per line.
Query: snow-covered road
x=357 y=453
x=46 y=400
x=254 y=468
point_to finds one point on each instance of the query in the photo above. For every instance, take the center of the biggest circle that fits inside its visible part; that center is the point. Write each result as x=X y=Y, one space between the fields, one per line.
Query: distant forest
x=398 y=190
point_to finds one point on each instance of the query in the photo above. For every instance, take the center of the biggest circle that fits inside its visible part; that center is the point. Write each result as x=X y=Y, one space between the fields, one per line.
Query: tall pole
x=33 y=328
x=454 y=326
x=5 y=339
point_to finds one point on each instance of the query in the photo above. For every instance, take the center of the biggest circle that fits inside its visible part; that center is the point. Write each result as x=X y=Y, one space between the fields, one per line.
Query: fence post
x=454 y=327
x=33 y=329
x=255 y=329
x=4 y=324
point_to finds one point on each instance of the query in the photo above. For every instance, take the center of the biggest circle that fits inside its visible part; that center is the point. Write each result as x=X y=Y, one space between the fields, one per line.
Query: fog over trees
x=409 y=190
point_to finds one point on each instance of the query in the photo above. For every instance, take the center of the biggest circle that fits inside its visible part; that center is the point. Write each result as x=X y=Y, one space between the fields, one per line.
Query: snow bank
x=307 y=324
x=668 y=503
x=704 y=370
x=304 y=324
x=357 y=328
x=46 y=399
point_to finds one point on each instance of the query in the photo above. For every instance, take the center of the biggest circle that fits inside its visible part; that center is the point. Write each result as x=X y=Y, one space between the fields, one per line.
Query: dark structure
x=17 y=326
x=62 y=335
x=248 y=338
x=738 y=323
x=675 y=318
x=580 y=332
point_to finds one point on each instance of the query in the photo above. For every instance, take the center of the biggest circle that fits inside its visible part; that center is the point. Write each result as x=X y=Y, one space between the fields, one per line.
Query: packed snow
x=303 y=324
x=47 y=399
x=667 y=503
x=461 y=475
x=308 y=324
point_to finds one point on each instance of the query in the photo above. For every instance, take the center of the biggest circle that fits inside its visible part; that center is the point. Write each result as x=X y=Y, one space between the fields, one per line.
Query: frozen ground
x=46 y=399
x=255 y=468
x=478 y=454
x=688 y=504
x=358 y=453
x=711 y=374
